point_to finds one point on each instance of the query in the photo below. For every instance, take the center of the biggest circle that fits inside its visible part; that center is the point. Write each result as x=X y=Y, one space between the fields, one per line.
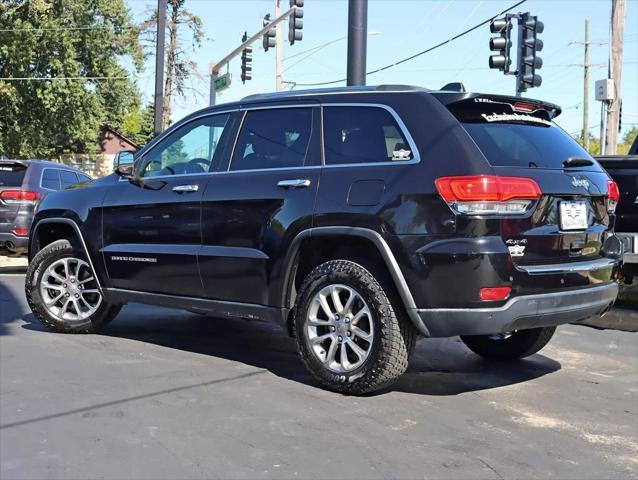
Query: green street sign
x=222 y=82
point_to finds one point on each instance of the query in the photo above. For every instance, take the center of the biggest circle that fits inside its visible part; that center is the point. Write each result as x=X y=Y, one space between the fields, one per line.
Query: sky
x=400 y=28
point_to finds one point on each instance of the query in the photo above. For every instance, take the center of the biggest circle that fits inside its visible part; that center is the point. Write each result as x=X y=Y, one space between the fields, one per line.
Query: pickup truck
x=624 y=170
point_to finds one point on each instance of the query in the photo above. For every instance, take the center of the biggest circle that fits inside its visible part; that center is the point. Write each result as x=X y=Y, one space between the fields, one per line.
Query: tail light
x=494 y=293
x=21 y=231
x=486 y=194
x=614 y=196
x=19 y=196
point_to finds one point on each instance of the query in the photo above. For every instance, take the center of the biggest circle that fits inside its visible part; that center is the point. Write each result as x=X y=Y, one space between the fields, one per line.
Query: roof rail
x=351 y=89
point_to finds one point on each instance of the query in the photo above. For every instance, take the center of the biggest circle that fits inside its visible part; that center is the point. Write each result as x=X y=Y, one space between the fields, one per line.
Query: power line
x=47 y=79
x=407 y=59
x=93 y=27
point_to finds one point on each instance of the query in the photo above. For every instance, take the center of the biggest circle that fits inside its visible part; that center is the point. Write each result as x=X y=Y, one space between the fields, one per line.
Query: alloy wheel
x=340 y=328
x=69 y=290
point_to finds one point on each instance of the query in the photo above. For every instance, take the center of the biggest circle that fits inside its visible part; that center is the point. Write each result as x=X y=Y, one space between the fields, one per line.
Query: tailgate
x=519 y=139
x=11 y=177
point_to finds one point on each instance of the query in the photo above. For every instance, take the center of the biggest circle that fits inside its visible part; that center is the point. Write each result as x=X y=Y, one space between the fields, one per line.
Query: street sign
x=222 y=82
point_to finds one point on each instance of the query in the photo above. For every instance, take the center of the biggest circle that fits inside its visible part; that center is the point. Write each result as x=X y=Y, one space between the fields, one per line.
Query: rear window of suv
x=510 y=138
x=12 y=174
x=530 y=146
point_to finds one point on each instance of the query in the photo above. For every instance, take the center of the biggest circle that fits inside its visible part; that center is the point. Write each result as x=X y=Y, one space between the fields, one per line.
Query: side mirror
x=125 y=171
x=124 y=158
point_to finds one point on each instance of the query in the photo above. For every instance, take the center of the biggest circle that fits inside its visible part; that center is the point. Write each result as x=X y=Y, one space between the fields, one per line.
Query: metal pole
x=213 y=92
x=357 y=41
x=279 y=83
x=159 y=65
x=613 y=107
x=586 y=89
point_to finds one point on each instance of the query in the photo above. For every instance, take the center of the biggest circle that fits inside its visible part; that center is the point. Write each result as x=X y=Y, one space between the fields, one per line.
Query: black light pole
x=357 y=41
x=159 y=65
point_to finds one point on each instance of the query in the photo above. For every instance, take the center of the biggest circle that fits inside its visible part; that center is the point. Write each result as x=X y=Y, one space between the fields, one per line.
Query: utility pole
x=159 y=65
x=279 y=82
x=357 y=41
x=586 y=66
x=586 y=89
x=615 y=73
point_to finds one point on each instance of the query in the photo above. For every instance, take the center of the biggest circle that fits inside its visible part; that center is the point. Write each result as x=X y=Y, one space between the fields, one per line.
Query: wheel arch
x=49 y=230
x=364 y=238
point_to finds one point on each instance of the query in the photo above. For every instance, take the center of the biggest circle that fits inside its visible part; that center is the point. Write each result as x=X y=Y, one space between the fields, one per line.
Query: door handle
x=297 y=183
x=185 y=188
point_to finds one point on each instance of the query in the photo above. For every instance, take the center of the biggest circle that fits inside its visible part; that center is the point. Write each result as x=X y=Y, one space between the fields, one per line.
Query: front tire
x=519 y=344
x=63 y=293
x=349 y=334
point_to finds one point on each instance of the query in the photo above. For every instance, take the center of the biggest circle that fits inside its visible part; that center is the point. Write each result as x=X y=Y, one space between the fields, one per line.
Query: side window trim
x=177 y=126
x=416 y=157
x=42 y=178
x=244 y=113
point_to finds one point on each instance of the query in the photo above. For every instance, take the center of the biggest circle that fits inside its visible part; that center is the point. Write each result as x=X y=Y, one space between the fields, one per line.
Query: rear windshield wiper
x=577 y=162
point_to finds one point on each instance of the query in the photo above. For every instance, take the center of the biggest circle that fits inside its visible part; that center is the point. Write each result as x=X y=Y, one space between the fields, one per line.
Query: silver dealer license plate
x=573 y=215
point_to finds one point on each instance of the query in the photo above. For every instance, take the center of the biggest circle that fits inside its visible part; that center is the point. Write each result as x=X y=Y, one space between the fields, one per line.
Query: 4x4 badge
x=580 y=182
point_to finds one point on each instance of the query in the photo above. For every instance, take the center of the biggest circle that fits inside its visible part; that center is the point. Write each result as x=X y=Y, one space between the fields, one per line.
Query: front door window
x=190 y=149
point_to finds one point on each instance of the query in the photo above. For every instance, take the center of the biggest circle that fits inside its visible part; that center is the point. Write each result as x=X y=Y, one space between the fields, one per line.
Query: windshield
x=11 y=174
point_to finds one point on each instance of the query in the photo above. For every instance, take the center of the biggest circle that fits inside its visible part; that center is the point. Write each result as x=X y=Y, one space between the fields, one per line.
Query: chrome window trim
x=243 y=120
x=416 y=157
x=273 y=169
x=157 y=140
x=59 y=179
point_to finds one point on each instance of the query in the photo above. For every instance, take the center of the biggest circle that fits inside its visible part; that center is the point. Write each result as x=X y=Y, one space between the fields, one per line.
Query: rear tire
x=364 y=342
x=63 y=293
x=519 y=344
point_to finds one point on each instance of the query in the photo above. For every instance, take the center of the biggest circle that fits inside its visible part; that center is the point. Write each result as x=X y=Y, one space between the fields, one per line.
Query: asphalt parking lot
x=167 y=394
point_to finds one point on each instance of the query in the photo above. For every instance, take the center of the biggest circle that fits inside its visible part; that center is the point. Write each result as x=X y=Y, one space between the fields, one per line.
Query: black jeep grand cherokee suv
x=359 y=218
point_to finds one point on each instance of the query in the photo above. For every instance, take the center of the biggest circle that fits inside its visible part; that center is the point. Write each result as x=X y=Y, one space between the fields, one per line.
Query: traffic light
x=295 y=22
x=501 y=44
x=528 y=61
x=269 y=37
x=246 y=61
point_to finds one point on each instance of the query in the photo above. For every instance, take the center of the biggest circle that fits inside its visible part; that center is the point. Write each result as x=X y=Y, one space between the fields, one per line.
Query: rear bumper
x=528 y=311
x=13 y=242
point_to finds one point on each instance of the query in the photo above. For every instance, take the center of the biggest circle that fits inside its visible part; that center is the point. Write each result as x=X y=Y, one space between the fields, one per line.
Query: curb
x=13 y=264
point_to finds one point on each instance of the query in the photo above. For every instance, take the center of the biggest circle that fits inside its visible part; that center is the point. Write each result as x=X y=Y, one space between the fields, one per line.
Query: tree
x=182 y=27
x=627 y=140
x=594 y=144
x=40 y=117
x=139 y=125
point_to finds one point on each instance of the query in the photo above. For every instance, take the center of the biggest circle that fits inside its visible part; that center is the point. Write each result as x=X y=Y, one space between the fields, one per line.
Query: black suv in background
x=22 y=184
x=358 y=218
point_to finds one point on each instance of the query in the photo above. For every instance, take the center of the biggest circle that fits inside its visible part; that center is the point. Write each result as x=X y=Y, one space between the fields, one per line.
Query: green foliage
x=623 y=147
x=40 y=118
x=627 y=140
x=138 y=125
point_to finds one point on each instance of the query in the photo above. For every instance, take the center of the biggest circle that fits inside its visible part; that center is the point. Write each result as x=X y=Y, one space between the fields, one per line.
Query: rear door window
x=12 y=174
x=360 y=134
x=68 y=178
x=51 y=179
x=276 y=138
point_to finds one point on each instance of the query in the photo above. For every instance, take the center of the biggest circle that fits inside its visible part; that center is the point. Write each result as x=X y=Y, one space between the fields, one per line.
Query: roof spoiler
x=448 y=98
